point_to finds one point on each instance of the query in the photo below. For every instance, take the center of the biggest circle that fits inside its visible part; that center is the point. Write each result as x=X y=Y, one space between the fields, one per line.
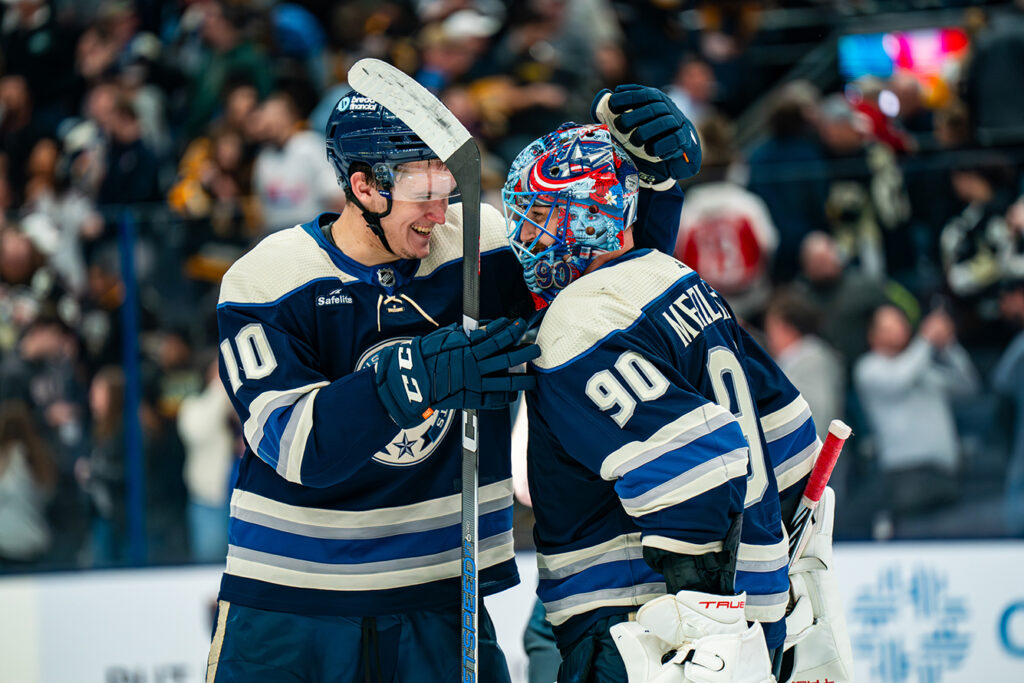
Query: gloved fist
x=448 y=369
x=660 y=139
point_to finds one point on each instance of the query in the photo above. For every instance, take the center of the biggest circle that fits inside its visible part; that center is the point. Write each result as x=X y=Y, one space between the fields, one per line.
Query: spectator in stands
x=867 y=205
x=1008 y=380
x=791 y=325
x=726 y=233
x=975 y=243
x=33 y=44
x=27 y=480
x=788 y=172
x=693 y=89
x=230 y=56
x=994 y=82
x=906 y=385
x=846 y=297
x=205 y=426
x=291 y=176
x=131 y=169
x=19 y=133
x=101 y=474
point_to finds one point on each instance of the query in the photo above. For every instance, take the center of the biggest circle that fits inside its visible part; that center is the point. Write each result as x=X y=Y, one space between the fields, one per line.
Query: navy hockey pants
x=594 y=658
x=259 y=646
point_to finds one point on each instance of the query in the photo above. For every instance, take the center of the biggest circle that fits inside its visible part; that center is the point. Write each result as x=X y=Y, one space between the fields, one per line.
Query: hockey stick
x=449 y=139
x=838 y=433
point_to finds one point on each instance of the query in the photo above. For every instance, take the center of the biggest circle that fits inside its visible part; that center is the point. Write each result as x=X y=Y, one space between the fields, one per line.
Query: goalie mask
x=569 y=197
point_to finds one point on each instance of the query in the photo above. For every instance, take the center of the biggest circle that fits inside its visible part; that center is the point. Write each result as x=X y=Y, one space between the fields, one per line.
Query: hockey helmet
x=568 y=198
x=360 y=130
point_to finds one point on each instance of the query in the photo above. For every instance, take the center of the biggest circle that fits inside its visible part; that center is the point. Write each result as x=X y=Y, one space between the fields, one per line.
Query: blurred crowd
x=870 y=233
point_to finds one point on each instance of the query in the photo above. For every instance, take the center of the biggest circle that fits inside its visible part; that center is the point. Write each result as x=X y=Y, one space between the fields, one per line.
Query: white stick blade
x=411 y=102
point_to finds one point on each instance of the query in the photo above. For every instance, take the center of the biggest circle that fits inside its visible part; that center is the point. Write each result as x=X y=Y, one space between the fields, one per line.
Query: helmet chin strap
x=372 y=219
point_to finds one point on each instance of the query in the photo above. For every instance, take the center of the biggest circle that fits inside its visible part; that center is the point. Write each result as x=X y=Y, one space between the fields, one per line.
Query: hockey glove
x=659 y=138
x=448 y=369
x=816 y=626
x=693 y=637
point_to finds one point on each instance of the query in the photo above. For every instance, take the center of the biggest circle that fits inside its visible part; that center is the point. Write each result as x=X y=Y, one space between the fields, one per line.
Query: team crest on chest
x=409 y=446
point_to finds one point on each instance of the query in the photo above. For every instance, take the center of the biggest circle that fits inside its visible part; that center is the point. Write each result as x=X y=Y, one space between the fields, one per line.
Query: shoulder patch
x=608 y=300
x=446 y=243
x=279 y=264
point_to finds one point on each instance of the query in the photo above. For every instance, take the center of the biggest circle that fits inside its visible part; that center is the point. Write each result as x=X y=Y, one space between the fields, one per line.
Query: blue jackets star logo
x=405 y=446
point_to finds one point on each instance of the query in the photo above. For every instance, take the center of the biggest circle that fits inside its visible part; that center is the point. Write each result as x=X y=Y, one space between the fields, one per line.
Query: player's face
x=410 y=224
x=528 y=232
x=420 y=198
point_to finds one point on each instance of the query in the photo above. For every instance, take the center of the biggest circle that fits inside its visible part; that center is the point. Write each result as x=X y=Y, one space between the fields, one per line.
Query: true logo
x=408 y=446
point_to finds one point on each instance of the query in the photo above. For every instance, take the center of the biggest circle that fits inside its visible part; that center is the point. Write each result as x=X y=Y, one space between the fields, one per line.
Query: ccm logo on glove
x=412 y=387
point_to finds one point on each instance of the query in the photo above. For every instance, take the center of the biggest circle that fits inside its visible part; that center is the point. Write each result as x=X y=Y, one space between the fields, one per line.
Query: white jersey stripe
x=690 y=484
x=676 y=434
x=264 y=405
x=785 y=420
x=370 y=576
x=796 y=467
x=556 y=561
x=380 y=517
x=560 y=611
x=293 y=441
x=681 y=547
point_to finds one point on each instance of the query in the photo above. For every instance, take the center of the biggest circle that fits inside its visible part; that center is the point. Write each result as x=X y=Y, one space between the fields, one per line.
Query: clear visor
x=423 y=182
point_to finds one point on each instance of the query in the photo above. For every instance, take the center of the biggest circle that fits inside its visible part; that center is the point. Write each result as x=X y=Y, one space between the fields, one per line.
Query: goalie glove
x=693 y=637
x=659 y=138
x=448 y=369
x=816 y=626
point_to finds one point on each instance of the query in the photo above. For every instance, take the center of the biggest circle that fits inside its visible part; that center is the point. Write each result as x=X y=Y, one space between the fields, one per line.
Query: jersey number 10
x=647 y=383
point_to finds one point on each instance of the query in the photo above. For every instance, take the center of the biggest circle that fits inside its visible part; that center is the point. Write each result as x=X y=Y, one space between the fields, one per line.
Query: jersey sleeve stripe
x=762 y=565
x=293 y=441
x=560 y=611
x=676 y=434
x=796 y=467
x=264 y=405
x=498 y=492
x=764 y=553
x=561 y=565
x=362 y=577
x=690 y=484
x=786 y=420
x=681 y=547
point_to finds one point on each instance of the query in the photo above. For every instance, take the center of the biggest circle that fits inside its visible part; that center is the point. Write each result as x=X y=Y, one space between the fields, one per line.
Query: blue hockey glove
x=447 y=369
x=660 y=139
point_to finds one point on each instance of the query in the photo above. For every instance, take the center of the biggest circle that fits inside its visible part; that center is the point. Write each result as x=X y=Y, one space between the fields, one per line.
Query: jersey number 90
x=647 y=383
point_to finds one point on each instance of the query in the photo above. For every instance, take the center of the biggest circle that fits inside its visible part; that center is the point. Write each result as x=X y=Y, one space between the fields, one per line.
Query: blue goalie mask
x=568 y=198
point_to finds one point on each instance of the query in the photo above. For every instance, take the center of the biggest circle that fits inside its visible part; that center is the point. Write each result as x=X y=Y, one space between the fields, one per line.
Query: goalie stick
x=449 y=139
x=838 y=433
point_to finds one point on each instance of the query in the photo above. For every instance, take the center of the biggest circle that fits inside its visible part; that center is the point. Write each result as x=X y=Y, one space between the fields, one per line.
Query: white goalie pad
x=816 y=626
x=702 y=638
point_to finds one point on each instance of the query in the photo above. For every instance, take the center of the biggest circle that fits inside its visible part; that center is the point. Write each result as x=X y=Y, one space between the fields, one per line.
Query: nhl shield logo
x=386 y=276
x=409 y=446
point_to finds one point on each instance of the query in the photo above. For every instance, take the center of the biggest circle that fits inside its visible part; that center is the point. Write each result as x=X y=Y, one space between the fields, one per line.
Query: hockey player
x=663 y=440
x=340 y=349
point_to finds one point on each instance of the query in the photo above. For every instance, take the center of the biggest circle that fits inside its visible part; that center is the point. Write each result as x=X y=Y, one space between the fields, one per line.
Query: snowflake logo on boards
x=909 y=627
x=408 y=446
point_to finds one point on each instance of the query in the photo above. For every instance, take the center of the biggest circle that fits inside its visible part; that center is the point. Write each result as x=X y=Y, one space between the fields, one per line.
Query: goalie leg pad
x=816 y=625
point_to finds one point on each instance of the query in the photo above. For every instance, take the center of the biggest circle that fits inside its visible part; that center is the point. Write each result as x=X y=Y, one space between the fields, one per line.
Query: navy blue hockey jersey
x=337 y=510
x=656 y=419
